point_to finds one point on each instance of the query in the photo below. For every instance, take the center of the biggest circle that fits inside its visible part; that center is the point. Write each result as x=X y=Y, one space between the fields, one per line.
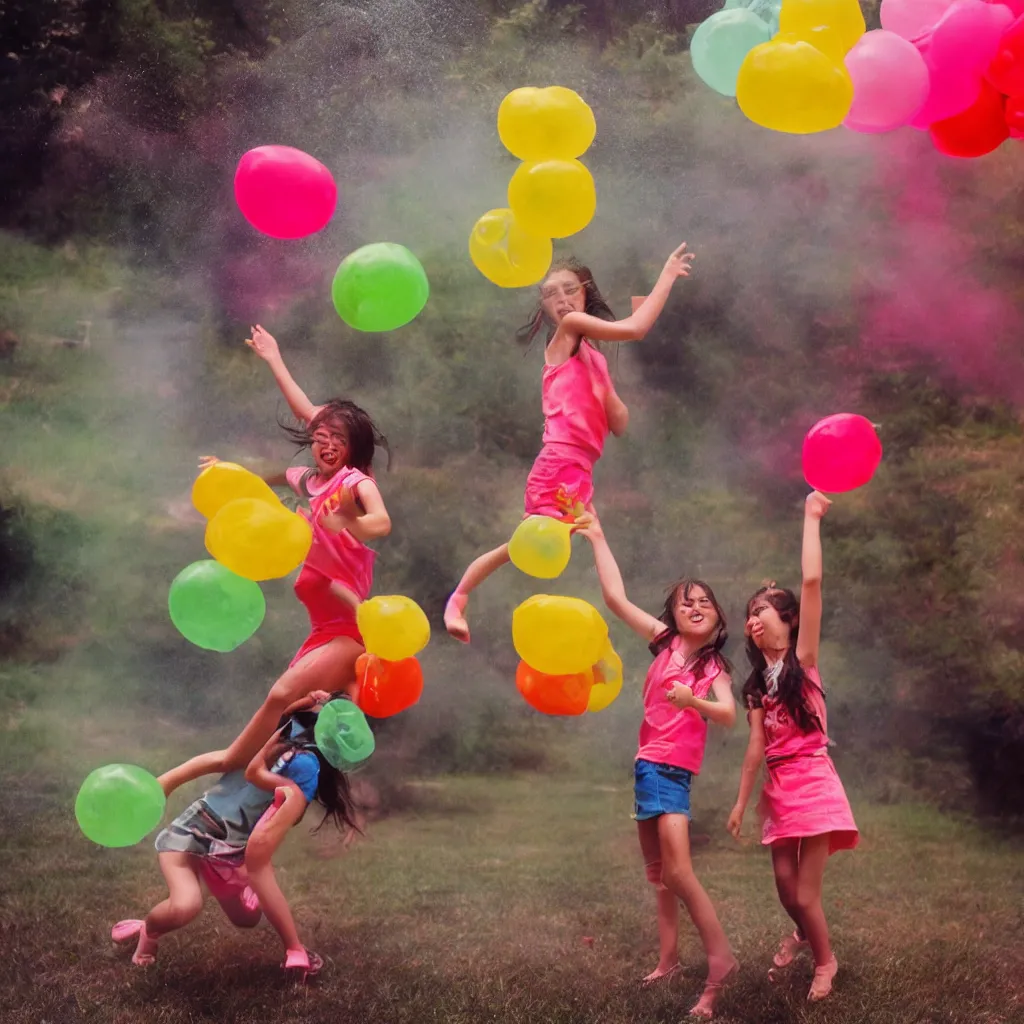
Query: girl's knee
x=184 y=908
x=807 y=897
x=679 y=878
x=653 y=870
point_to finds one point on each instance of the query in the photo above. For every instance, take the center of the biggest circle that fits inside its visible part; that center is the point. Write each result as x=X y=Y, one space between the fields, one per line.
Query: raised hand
x=817 y=505
x=263 y=343
x=206 y=461
x=679 y=263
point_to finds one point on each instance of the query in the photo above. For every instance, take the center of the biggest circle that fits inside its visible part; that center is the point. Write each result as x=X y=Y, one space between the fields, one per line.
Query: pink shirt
x=572 y=396
x=338 y=556
x=669 y=735
x=784 y=739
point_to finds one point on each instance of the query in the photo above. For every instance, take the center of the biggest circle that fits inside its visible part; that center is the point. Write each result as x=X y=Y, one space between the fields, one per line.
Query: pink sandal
x=821 y=985
x=303 y=960
x=705 y=1006
x=125 y=931
x=790 y=947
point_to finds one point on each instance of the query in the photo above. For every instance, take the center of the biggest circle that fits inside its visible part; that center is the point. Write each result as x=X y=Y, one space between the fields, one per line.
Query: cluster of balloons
x=952 y=67
x=841 y=453
x=216 y=604
x=568 y=663
x=551 y=195
x=286 y=193
x=395 y=629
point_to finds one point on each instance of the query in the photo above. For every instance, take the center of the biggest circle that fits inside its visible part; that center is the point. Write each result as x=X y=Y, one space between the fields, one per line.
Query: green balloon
x=213 y=607
x=119 y=804
x=380 y=287
x=343 y=735
x=721 y=43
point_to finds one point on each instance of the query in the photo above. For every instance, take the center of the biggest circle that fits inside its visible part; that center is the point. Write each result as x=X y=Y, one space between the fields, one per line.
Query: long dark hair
x=594 y=302
x=363 y=435
x=711 y=652
x=792 y=679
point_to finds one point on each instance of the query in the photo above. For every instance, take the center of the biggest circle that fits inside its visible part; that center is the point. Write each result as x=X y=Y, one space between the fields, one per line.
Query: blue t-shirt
x=303 y=768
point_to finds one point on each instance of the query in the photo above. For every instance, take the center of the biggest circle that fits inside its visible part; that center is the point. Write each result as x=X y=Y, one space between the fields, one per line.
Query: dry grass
x=517 y=900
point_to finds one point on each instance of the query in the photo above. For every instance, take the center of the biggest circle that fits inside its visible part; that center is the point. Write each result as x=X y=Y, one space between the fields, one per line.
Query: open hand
x=263 y=343
x=678 y=264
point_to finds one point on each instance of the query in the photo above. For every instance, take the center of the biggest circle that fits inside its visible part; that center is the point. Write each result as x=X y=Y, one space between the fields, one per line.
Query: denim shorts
x=660 y=789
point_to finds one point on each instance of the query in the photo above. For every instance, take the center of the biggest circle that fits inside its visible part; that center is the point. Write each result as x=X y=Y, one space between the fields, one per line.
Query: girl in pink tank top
x=578 y=398
x=686 y=641
x=806 y=815
x=345 y=511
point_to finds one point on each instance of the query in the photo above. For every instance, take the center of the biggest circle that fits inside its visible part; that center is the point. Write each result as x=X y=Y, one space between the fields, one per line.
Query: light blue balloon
x=766 y=10
x=720 y=44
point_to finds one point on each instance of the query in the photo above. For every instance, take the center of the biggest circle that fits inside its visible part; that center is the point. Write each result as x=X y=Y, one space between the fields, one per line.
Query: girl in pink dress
x=578 y=398
x=803 y=805
x=345 y=511
x=686 y=641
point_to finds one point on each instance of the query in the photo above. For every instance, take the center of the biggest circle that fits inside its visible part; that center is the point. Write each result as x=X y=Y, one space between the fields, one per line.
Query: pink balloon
x=951 y=90
x=1014 y=114
x=841 y=453
x=912 y=18
x=890 y=82
x=967 y=37
x=284 y=192
x=1006 y=72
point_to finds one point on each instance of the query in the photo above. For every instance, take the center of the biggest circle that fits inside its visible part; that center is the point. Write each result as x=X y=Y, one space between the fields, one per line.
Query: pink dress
x=670 y=735
x=802 y=793
x=575 y=428
x=333 y=557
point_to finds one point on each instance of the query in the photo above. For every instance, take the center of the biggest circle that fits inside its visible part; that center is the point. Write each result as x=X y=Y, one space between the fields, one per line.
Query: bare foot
x=719 y=975
x=660 y=973
x=145 y=951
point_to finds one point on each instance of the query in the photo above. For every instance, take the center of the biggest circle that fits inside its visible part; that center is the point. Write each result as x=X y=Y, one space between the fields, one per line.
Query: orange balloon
x=387 y=687
x=554 y=695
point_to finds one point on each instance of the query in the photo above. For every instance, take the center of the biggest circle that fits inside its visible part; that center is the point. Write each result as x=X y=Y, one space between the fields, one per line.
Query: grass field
x=515 y=899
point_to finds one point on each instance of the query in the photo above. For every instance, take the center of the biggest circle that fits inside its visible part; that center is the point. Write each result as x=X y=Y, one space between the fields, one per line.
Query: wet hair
x=792 y=679
x=594 y=302
x=363 y=435
x=711 y=652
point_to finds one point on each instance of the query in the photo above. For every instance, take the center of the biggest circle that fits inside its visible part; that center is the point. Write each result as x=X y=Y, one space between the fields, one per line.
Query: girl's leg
x=331 y=667
x=814 y=851
x=202 y=764
x=668 y=903
x=183 y=903
x=785 y=863
x=237 y=912
x=678 y=876
x=479 y=570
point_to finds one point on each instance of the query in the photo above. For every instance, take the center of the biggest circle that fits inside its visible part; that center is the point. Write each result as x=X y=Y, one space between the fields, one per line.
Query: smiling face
x=562 y=292
x=330 y=446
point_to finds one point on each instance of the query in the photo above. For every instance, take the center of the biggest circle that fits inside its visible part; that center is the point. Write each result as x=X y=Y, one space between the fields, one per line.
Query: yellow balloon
x=258 y=540
x=227 y=481
x=789 y=86
x=540 y=547
x=394 y=627
x=506 y=254
x=558 y=635
x=553 y=198
x=607 y=680
x=802 y=17
x=825 y=39
x=546 y=124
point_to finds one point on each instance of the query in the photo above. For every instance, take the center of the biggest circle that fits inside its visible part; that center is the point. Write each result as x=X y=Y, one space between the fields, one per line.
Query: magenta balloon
x=890 y=82
x=1006 y=72
x=912 y=18
x=967 y=37
x=951 y=91
x=841 y=453
x=284 y=192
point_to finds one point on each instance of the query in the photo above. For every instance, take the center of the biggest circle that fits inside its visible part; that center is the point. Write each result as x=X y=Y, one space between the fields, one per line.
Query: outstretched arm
x=634 y=328
x=266 y=347
x=809 y=637
x=613 y=590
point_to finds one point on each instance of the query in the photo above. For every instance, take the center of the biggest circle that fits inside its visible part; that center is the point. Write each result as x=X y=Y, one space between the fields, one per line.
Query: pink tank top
x=572 y=396
x=784 y=739
x=669 y=735
x=338 y=556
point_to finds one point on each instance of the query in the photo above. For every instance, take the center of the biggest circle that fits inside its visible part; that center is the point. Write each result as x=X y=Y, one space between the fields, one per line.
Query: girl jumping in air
x=686 y=641
x=229 y=835
x=345 y=511
x=806 y=814
x=579 y=401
